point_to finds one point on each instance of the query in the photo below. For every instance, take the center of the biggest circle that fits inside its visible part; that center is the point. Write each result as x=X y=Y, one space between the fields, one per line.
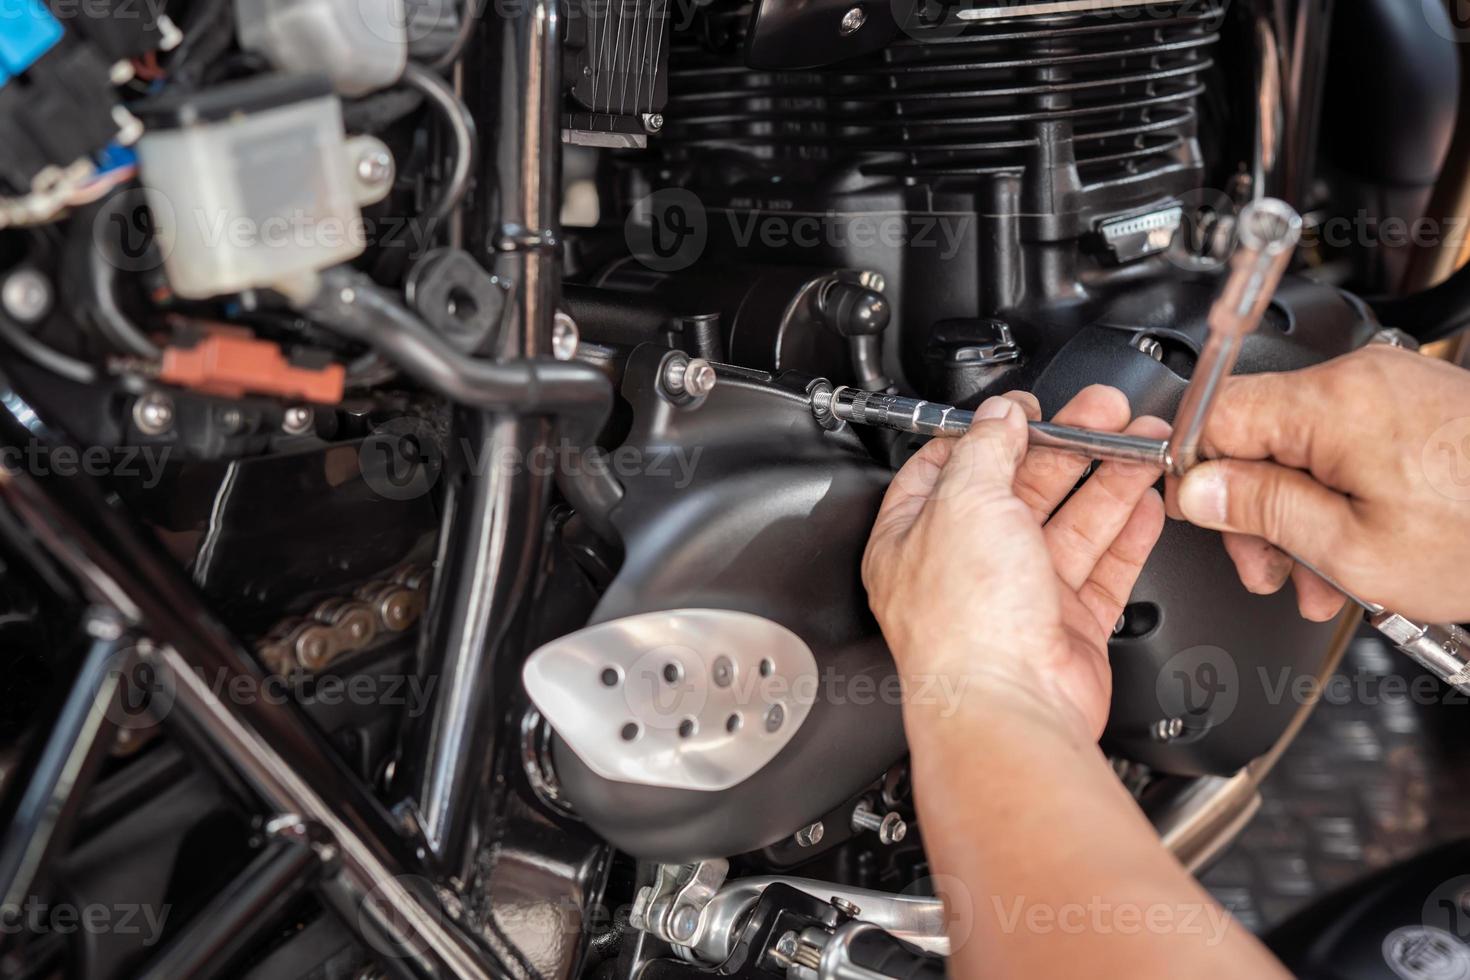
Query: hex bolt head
x=810 y=835
x=153 y=413
x=852 y=21
x=653 y=121
x=1150 y=346
x=27 y=295
x=845 y=907
x=699 y=378
x=890 y=827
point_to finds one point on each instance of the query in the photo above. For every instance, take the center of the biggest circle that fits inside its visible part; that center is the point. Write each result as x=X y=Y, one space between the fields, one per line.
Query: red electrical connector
x=231 y=363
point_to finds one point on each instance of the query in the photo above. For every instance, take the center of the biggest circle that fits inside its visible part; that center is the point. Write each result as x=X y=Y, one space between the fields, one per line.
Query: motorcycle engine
x=959 y=201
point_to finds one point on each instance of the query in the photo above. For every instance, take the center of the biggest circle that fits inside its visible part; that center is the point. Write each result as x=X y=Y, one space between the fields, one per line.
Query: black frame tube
x=251 y=905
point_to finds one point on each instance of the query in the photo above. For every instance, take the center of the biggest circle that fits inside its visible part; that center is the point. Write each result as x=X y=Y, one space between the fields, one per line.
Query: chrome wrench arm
x=1268 y=232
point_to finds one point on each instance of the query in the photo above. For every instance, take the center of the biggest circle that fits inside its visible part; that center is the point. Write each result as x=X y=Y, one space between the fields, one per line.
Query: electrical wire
x=469 y=16
x=43 y=356
x=461 y=127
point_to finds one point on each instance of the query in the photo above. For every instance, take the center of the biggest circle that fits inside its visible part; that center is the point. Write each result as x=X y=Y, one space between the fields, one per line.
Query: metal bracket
x=671 y=907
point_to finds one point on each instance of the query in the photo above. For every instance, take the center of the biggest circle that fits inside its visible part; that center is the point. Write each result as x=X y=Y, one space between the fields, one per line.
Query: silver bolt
x=564 y=337
x=683 y=923
x=810 y=835
x=890 y=826
x=26 y=295
x=699 y=377
x=298 y=420
x=653 y=121
x=103 y=624
x=786 y=945
x=153 y=414
x=845 y=907
x=1149 y=346
x=852 y=21
x=1168 y=729
x=1390 y=336
x=231 y=420
x=375 y=166
x=775 y=715
x=723 y=671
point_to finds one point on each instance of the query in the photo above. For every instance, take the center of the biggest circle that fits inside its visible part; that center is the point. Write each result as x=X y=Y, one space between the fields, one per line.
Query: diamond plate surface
x=1371 y=780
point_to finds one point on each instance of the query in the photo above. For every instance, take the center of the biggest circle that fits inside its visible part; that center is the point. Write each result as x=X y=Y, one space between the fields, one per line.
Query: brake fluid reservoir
x=361 y=45
x=249 y=185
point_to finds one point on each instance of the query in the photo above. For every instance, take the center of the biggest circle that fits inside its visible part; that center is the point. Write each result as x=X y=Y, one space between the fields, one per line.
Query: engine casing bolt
x=153 y=414
x=689 y=378
x=297 y=420
x=890 y=827
x=27 y=295
x=845 y=907
x=1168 y=729
x=852 y=21
x=810 y=835
x=565 y=337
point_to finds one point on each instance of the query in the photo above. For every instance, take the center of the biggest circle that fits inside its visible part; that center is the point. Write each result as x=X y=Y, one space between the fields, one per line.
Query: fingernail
x=1202 y=496
x=994 y=408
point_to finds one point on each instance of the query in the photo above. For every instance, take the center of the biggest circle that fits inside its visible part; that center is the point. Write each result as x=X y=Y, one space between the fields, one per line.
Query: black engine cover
x=774 y=523
x=774 y=519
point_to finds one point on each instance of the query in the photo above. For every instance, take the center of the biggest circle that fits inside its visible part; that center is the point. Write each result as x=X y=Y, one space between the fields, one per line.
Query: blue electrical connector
x=27 y=31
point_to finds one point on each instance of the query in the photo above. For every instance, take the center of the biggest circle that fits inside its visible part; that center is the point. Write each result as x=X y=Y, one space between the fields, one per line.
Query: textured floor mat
x=1371 y=780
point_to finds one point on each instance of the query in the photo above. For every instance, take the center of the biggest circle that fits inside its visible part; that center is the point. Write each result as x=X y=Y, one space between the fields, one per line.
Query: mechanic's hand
x=972 y=575
x=1359 y=466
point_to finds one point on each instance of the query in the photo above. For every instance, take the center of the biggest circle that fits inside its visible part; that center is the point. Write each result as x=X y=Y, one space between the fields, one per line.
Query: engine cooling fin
x=1115 y=93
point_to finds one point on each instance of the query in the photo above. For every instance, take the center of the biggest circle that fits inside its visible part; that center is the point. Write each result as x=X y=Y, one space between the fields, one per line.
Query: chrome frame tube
x=492 y=528
x=42 y=796
x=270 y=744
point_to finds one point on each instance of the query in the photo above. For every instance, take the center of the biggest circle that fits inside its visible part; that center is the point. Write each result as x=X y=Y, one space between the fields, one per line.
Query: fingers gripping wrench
x=1268 y=232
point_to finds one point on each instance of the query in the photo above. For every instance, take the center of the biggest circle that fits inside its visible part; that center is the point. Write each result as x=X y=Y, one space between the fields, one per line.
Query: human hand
x=974 y=570
x=1359 y=466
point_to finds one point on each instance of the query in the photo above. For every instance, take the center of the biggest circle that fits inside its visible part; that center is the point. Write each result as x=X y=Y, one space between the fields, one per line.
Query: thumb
x=982 y=465
x=1285 y=506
